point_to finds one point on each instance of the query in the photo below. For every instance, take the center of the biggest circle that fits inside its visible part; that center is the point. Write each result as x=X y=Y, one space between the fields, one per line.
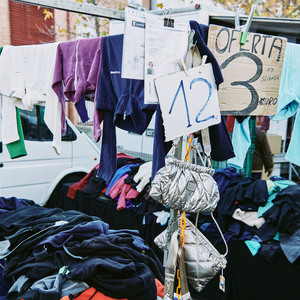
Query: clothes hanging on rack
x=289 y=98
x=121 y=102
x=17 y=149
x=77 y=69
x=26 y=73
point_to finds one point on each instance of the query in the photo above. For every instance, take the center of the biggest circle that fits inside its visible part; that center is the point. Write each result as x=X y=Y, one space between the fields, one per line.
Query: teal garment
x=276 y=237
x=289 y=90
x=241 y=142
x=273 y=188
x=17 y=149
x=292 y=154
x=253 y=246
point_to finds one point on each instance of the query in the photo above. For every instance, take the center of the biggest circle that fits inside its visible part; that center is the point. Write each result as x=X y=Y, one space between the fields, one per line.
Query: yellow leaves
x=47 y=14
x=63 y=31
x=160 y=5
x=81 y=1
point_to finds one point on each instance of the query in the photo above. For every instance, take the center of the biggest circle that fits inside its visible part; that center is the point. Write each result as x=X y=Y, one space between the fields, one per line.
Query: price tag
x=222 y=283
x=188 y=103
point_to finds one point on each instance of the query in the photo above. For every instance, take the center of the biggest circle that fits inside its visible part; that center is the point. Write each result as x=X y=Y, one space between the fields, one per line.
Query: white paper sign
x=133 y=59
x=163 y=47
x=188 y=103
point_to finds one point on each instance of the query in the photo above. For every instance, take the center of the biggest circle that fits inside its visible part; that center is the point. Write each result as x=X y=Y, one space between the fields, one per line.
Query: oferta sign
x=251 y=71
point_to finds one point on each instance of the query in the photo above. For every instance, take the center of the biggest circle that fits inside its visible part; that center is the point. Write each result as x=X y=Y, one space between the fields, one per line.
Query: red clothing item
x=90 y=294
x=160 y=288
x=230 y=123
x=123 y=155
x=80 y=185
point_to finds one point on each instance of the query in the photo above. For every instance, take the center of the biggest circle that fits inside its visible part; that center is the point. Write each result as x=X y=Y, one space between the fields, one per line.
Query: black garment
x=30 y=225
x=13 y=203
x=122 y=161
x=112 y=266
x=131 y=174
x=251 y=277
x=270 y=251
x=284 y=215
x=109 y=246
x=5 y=284
x=95 y=185
x=35 y=264
x=246 y=193
x=106 y=208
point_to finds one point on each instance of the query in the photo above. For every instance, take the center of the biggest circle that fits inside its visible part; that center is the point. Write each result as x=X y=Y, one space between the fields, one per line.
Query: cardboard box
x=275 y=143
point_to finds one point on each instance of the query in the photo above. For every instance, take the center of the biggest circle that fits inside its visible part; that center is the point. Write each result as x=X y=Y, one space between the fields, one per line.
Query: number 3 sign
x=188 y=103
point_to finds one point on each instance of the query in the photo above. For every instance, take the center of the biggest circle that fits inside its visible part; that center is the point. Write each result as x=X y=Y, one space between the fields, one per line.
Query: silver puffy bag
x=202 y=260
x=185 y=186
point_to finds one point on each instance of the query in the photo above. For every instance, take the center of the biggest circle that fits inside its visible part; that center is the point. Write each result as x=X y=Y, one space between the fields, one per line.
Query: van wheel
x=57 y=192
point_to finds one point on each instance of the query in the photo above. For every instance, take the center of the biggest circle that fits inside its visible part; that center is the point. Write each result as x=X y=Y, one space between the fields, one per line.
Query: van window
x=34 y=127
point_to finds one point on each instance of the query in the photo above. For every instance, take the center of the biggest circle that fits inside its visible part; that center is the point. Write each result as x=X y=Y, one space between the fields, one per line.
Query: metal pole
x=173 y=223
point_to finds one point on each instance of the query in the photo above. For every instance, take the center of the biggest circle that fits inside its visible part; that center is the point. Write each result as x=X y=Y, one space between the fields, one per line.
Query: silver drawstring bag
x=185 y=186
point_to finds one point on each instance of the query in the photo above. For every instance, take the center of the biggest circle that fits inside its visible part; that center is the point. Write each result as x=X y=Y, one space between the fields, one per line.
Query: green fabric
x=247 y=169
x=17 y=149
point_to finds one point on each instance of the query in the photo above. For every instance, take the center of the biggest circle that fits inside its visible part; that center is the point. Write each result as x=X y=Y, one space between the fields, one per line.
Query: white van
x=40 y=175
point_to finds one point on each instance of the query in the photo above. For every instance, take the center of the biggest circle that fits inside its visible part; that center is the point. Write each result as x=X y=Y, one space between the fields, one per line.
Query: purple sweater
x=76 y=73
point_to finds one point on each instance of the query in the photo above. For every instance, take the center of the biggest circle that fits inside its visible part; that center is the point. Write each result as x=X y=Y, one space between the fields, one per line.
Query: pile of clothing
x=50 y=254
x=129 y=188
x=264 y=214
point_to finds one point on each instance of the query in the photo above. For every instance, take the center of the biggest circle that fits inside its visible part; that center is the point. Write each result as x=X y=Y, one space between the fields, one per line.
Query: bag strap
x=176 y=253
x=170 y=269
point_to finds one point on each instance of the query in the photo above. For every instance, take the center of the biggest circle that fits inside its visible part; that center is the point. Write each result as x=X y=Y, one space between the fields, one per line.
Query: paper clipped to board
x=188 y=103
x=133 y=59
x=163 y=47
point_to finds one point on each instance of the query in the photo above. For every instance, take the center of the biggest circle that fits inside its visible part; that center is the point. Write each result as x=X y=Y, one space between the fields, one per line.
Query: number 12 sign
x=188 y=103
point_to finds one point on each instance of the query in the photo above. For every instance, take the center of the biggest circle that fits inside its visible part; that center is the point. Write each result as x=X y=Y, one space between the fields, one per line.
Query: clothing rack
x=77 y=7
x=98 y=11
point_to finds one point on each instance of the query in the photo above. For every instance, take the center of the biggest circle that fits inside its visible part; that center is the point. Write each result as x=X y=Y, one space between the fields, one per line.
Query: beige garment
x=248 y=217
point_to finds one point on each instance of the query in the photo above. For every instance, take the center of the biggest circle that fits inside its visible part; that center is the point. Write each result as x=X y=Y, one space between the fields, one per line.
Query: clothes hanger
x=243 y=28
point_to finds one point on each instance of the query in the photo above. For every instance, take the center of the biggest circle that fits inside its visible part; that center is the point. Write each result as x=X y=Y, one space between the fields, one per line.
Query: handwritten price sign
x=188 y=103
x=251 y=72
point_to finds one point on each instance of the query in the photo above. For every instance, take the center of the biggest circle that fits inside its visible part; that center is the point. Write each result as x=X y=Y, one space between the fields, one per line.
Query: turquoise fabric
x=293 y=154
x=253 y=246
x=289 y=91
x=241 y=142
x=273 y=188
